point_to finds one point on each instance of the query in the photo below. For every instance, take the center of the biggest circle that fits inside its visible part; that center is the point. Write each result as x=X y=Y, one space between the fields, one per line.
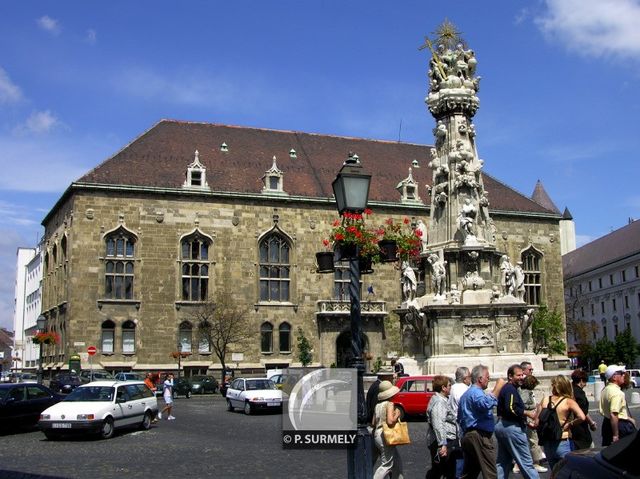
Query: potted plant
x=48 y=337
x=351 y=238
x=324 y=259
x=399 y=240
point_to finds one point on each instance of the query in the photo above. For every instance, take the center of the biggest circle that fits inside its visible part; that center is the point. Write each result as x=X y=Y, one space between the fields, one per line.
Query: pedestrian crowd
x=528 y=432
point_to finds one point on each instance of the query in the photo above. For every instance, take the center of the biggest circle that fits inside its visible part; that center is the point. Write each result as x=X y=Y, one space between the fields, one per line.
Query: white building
x=602 y=287
x=27 y=306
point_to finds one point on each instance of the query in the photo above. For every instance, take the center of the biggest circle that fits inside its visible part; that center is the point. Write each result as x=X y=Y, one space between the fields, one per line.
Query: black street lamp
x=351 y=190
x=41 y=323
x=179 y=346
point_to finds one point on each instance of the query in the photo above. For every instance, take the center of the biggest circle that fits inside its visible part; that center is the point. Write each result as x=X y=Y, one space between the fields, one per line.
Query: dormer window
x=273 y=180
x=196 y=174
x=224 y=147
x=408 y=189
x=292 y=154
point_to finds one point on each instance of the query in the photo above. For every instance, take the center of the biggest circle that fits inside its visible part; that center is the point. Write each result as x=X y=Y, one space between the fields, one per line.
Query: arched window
x=108 y=333
x=129 y=337
x=285 y=338
x=532 y=268
x=275 y=269
x=185 y=335
x=119 y=265
x=203 y=338
x=266 y=338
x=195 y=267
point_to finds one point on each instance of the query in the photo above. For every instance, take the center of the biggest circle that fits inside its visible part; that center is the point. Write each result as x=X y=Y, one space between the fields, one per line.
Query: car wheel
x=51 y=436
x=188 y=395
x=247 y=408
x=146 y=421
x=107 y=428
x=229 y=406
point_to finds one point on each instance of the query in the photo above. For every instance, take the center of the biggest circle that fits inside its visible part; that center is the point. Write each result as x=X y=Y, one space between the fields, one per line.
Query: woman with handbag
x=386 y=414
x=442 y=436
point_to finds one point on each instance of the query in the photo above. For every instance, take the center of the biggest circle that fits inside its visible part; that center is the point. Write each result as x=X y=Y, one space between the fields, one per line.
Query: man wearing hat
x=613 y=406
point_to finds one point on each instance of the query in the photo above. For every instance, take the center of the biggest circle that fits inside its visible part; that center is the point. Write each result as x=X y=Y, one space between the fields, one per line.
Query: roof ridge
x=296 y=132
x=605 y=237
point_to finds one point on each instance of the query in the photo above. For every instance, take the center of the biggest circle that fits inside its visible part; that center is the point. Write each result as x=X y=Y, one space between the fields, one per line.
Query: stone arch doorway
x=343 y=348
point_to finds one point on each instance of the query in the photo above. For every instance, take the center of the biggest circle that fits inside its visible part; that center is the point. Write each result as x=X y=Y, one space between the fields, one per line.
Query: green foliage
x=304 y=349
x=377 y=365
x=547 y=331
x=626 y=348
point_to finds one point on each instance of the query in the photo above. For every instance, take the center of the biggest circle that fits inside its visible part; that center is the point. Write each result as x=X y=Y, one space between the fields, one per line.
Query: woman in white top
x=386 y=411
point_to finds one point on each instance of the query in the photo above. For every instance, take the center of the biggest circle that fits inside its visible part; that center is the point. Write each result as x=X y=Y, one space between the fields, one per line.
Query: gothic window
x=195 y=267
x=108 y=333
x=129 y=337
x=275 y=268
x=532 y=267
x=119 y=265
x=203 y=342
x=341 y=280
x=285 y=338
x=266 y=338
x=196 y=174
x=184 y=336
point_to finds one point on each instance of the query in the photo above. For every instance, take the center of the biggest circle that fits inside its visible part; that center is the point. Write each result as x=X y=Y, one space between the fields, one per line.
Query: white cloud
x=91 y=36
x=49 y=24
x=594 y=27
x=9 y=91
x=38 y=122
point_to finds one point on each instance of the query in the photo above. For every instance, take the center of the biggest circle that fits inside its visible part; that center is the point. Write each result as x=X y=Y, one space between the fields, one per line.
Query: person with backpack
x=556 y=415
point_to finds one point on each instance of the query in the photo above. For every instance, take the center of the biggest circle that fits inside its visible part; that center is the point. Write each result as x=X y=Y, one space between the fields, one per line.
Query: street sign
x=91 y=350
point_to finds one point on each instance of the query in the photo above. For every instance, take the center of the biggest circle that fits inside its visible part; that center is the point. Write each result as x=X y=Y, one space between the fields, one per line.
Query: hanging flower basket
x=388 y=251
x=347 y=251
x=365 y=264
x=46 y=338
x=324 y=261
x=178 y=354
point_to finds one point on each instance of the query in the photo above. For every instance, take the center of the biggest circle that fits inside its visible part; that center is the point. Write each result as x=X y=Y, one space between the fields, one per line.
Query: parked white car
x=101 y=407
x=635 y=377
x=251 y=394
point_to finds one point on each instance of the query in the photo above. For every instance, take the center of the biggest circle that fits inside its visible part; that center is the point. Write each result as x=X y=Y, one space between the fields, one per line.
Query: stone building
x=602 y=287
x=189 y=209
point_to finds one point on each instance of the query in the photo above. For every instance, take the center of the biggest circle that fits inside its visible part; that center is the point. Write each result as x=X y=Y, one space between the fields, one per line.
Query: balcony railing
x=339 y=307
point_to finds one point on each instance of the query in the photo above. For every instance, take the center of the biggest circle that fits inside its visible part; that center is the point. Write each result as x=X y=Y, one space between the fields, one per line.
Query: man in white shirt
x=463 y=380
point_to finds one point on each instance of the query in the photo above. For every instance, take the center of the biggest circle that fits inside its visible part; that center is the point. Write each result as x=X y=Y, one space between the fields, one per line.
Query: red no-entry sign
x=92 y=350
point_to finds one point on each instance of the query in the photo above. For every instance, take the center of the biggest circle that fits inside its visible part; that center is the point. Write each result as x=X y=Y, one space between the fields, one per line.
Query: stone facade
x=74 y=284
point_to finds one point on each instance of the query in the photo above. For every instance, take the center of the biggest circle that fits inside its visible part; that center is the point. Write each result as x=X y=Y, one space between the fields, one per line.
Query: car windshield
x=254 y=384
x=91 y=393
x=3 y=393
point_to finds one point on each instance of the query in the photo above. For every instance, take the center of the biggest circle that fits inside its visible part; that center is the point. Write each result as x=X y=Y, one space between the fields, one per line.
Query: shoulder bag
x=397 y=435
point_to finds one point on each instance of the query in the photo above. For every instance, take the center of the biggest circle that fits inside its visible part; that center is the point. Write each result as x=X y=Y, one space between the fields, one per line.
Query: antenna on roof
x=400 y=131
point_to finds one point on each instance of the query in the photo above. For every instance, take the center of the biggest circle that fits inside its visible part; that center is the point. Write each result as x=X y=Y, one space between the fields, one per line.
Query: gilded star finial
x=447 y=35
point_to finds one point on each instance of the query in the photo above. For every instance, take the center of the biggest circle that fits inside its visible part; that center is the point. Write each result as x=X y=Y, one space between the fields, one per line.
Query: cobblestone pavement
x=204 y=441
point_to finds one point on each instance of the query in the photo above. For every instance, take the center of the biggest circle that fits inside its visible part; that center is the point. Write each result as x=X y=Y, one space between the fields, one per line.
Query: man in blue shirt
x=511 y=431
x=475 y=416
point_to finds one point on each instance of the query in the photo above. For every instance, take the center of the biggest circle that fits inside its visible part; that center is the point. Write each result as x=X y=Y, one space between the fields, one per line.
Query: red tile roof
x=615 y=246
x=159 y=158
x=541 y=197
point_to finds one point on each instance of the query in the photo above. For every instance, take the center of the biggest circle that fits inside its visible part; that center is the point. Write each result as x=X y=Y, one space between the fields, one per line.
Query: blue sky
x=79 y=80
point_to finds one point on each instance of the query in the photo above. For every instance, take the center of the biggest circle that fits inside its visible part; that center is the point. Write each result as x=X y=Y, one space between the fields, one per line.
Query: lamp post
x=41 y=322
x=179 y=346
x=351 y=190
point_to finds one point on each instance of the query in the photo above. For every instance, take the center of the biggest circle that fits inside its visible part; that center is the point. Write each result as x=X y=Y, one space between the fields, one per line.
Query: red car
x=415 y=394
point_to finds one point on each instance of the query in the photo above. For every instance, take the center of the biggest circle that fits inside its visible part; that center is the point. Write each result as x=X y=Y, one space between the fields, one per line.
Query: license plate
x=61 y=425
x=273 y=404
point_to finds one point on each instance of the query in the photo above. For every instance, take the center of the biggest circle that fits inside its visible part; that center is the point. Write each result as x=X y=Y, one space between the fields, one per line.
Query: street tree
x=304 y=349
x=547 y=332
x=626 y=347
x=222 y=324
